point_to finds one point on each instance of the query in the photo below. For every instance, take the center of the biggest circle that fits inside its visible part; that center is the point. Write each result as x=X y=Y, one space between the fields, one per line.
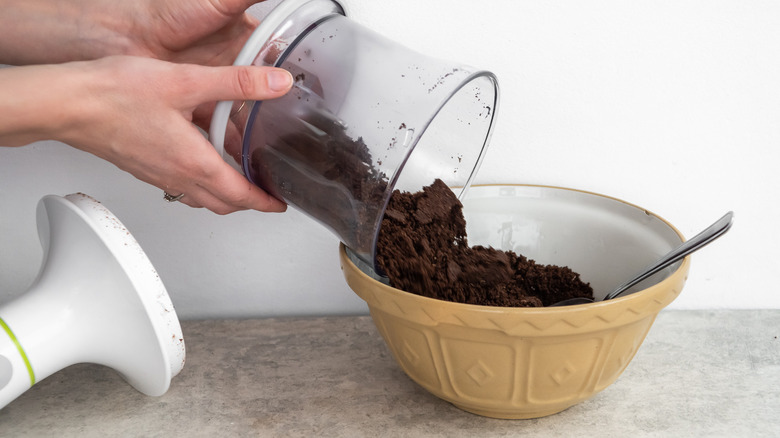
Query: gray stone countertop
x=698 y=373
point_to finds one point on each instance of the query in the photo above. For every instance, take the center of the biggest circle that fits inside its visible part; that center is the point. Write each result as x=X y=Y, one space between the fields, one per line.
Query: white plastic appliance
x=96 y=299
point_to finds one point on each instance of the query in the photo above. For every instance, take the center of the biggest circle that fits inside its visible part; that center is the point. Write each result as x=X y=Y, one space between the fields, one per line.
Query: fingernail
x=279 y=80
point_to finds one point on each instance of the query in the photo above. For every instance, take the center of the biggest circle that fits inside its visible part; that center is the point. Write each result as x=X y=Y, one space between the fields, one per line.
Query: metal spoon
x=697 y=242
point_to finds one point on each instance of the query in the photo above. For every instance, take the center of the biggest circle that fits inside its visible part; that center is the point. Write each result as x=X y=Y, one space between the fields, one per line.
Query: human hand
x=207 y=32
x=136 y=113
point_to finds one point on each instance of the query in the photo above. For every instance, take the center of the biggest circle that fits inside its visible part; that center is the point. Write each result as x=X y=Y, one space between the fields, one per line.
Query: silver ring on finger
x=171 y=198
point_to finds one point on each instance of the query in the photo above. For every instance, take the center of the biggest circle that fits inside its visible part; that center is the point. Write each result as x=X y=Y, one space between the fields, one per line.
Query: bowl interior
x=604 y=239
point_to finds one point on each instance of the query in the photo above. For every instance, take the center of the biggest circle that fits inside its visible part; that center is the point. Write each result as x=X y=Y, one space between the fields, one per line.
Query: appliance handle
x=16 y=371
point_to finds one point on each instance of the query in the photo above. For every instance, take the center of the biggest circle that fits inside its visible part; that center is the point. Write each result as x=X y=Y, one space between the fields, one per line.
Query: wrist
x=42 y=103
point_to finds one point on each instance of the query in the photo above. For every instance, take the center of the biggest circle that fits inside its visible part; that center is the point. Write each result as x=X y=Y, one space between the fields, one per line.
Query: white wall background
x=670 y=104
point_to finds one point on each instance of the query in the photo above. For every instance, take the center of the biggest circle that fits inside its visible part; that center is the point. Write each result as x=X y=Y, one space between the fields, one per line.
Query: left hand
x=136 y=113
x=206 y=32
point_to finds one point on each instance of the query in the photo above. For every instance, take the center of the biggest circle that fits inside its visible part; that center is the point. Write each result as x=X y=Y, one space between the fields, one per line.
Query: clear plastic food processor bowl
x=365 y=116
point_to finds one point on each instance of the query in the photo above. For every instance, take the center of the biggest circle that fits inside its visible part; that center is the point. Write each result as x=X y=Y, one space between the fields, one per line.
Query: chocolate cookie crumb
x=423 y=249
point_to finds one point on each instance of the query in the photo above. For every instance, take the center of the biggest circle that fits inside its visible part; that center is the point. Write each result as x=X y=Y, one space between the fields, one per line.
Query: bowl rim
x=638 y=304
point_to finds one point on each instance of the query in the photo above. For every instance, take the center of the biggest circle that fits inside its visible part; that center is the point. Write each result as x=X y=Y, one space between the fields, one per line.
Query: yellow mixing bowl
x=531 y=362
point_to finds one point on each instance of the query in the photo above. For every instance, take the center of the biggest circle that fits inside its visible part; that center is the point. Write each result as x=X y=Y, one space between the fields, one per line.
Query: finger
x=205 y=179
x=208 y=84
x=223 y=183
x=202 y=115
x=224 y=191
x=195 y=196
x=233 y=142
x=233 y=7
x=235 y=190
x=200 y=198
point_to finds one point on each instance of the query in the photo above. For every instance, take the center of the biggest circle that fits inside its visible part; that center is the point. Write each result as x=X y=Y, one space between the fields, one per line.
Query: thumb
x=241 y=83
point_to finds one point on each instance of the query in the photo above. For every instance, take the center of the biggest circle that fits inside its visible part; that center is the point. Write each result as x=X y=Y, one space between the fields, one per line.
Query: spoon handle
x=694 y=243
